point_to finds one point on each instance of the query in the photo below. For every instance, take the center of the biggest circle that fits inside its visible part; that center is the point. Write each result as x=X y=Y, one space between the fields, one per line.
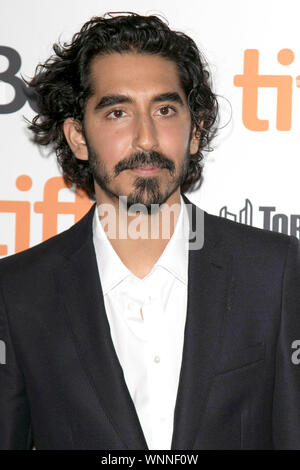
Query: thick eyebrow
x=170 y=96
x=111 y=100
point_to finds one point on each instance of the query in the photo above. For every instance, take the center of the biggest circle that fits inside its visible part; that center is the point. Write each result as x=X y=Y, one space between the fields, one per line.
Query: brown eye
x=166 y=111
x=117 y=113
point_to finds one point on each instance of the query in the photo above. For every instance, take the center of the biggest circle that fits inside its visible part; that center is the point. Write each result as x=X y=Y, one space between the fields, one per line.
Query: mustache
x=141 y=159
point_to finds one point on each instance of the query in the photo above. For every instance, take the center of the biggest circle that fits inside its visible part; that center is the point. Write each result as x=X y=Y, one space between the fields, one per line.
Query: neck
x=139 y=239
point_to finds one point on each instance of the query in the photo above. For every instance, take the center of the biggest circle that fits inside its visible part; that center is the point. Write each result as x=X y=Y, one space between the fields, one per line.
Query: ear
x=73 y=134
x=195 y=140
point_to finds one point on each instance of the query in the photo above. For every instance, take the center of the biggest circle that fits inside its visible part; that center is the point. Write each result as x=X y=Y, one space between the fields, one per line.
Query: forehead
x=134 y=73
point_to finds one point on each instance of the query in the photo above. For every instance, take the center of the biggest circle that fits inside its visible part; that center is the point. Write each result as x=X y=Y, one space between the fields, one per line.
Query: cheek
x=174 y=140
x=112 y=145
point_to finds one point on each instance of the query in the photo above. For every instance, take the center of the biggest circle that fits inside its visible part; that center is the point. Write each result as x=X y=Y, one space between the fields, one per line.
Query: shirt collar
x=174 y=257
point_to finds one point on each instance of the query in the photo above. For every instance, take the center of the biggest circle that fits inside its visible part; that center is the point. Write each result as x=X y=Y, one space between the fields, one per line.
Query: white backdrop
x=251 y=176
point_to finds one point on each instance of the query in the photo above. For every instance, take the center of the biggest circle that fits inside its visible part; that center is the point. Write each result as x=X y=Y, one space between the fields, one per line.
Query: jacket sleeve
x=286 y=398
x=15 y=426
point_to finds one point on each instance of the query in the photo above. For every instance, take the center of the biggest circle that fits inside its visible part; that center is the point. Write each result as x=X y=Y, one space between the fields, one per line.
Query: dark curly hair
x=62 y=85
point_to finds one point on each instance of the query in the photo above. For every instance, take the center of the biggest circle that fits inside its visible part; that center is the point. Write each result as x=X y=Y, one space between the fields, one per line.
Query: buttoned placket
x=155 y=322
x=152 y=330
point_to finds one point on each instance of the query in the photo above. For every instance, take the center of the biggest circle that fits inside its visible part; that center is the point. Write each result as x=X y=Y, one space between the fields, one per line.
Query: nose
x=145 y=136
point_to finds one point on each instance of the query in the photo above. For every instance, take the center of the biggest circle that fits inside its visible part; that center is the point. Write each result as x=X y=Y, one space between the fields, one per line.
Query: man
x=120 y=341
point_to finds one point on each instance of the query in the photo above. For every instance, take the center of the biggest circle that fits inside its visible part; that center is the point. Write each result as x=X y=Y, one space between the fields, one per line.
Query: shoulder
x=238 y=239
x=49 y=253
x=242 y=240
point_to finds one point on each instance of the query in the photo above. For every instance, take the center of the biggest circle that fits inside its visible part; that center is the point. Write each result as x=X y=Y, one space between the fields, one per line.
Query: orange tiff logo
x=50 y=207
x=251 y=81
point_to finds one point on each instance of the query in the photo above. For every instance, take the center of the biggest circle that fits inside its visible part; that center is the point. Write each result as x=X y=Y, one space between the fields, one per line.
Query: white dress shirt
x=147 y=321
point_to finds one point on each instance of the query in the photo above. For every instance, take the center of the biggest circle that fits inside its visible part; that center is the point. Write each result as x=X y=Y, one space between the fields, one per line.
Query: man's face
x=137 y=128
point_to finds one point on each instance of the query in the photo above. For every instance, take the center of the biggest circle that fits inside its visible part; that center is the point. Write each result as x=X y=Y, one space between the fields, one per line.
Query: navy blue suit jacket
x=62 y=386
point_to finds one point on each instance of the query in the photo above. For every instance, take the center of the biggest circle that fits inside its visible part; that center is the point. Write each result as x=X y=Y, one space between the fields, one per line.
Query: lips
x=147 y=169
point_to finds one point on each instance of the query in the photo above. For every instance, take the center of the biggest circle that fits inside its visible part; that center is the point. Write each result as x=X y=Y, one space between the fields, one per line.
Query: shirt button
x=163 y=419
x=157 y=359
x=131 y=306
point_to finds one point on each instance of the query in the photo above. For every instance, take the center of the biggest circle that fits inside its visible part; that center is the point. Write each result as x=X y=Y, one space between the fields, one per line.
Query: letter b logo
x=22 y=93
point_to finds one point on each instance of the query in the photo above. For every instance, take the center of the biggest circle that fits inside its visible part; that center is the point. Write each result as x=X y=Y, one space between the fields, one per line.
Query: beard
x=147 y=190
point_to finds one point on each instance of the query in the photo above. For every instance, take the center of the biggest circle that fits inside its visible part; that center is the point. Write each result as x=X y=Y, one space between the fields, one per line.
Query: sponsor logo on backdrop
x=50 y=207
x=250 y=81
x=269 y=218
x=22 y=93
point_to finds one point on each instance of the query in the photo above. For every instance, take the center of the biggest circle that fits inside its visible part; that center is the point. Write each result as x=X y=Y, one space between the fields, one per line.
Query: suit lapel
x=208 y=288
x=80 y=287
